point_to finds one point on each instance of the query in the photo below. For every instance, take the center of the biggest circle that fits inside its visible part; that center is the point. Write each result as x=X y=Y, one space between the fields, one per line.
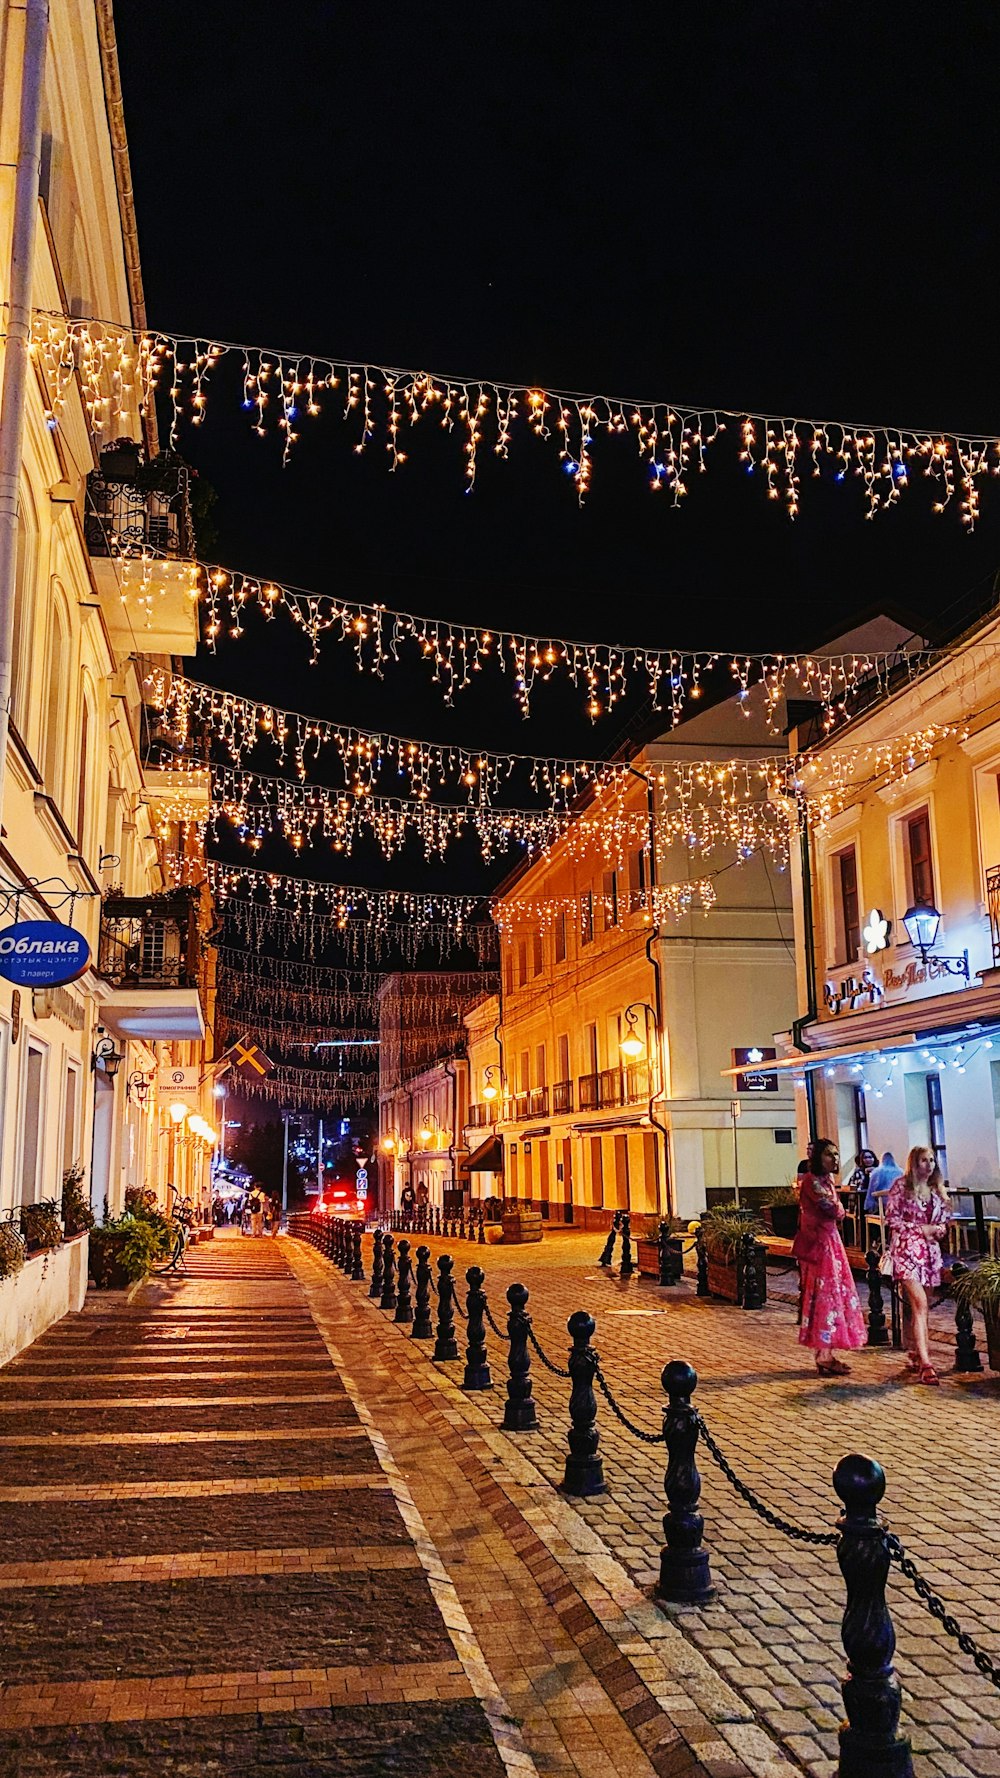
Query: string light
x=281 y=391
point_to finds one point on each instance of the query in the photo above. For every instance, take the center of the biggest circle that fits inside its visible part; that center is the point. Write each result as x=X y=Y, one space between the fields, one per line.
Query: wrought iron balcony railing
x=613 y=1087
x=562 y=1095
x=150 y=943
x=133 y=505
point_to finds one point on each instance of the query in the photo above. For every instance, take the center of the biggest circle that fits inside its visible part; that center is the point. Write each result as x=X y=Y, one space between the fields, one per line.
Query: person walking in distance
x=275 y=1215
x=916 y=1214
x=255 y=1205
x=831 y=1312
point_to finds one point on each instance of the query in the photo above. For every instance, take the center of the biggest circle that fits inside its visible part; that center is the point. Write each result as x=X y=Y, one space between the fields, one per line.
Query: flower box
x=520 y=1226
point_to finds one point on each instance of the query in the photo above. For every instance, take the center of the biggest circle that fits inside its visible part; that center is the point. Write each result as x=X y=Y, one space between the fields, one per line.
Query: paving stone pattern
x=214 y=1578
x=773 y=1630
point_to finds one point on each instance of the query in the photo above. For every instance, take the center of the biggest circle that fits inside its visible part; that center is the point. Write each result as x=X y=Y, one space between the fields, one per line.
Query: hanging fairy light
x=282 y=392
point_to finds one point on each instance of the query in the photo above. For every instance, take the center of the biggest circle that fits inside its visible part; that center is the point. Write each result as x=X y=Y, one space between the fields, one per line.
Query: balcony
x=993 y=906
x=483 y=1115
x=614 y=1087
x=150 y=954
x=142 y=511
x=562 y=1095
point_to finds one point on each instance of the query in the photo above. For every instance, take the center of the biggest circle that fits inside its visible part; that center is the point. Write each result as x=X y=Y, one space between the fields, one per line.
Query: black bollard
x=461 y=1221
x=878 y=1333
x=584 y=1469
x=346 y=1245
x=896 y=1313
x=388 y=1297
x=671 y=1255
x=477 y=1370
x=423 y=1326
x=609 y=1245
x=627 y=1266
x=357 y=1261
x=701 y=1260
x=871 y=1745
x=967 y=1357
x=375 y=1287
x=684 y=1572
x=404 y=1298
x=519 y=1414
x=437 y=1219
x=445 y=1345
x=481 y=1237
x=752 y=1272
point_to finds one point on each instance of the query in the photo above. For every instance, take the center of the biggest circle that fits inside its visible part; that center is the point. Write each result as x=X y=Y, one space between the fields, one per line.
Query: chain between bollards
x=939 y=1611
x=829 y=1538
x=648 y=1438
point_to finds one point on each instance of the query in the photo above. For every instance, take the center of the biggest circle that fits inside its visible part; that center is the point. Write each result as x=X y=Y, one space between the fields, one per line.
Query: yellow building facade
x=632 y=964
x=898 y=1044
x=90 y=1070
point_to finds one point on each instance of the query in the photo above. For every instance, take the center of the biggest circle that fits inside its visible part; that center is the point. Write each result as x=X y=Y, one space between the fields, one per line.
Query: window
x=522 y=962
x=525 y=1071
x=560 y=931
x=935 y=1119
x=24 y=611
x=71 y=1113
x=562 y=1043
x=918 y=849
x=82 y=836
x=540 y=1074
x=636 y=880
x=587 y=918
x=590 y=1047
x=59 y=693
x=610 y=899
x=537 y=954
x=860 y=1120
x=32 y=1119
x=849 y=936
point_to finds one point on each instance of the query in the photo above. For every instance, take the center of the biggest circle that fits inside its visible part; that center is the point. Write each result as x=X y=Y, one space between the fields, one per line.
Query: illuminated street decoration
x=282 y=392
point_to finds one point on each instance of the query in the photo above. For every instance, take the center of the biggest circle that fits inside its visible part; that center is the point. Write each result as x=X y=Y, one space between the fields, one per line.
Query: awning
x=488 y=1157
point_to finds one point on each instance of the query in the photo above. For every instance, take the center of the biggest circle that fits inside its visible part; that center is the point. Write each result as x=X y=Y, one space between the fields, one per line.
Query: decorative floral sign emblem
x=876 y=933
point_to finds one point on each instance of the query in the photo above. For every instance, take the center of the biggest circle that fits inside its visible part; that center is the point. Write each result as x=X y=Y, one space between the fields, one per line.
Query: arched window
x=24 y=609
x=59 y=706
x=84 y=813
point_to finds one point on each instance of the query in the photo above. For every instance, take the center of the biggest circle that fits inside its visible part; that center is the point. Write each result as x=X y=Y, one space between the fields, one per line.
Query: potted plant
x=123 y=1251
x=12 y=1250
x=646 y=1230
x=980 y=1289
x=781 y=1211
x=77 y=1215
x=725 y=1225
x=40 y=1225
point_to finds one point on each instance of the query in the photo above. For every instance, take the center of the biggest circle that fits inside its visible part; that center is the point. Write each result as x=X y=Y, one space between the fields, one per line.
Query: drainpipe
x=809 y=933
x=15 y=363
x=654 y=961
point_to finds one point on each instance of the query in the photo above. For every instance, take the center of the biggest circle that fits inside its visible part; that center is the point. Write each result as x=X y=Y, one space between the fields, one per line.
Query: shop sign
x=854 y=993
x=917 y=974
x=42 y=953
x=752 y=1079
x=177 y=1084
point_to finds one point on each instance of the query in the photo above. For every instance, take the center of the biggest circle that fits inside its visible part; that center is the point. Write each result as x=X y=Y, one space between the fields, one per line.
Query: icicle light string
x=191 y=712
x=285 y=1087
x=604 y=672
x=355 y=981
x=119 y=370
x=360 y=940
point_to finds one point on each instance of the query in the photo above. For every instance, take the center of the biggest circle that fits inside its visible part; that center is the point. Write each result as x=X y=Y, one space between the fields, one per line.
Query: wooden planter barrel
x=648 y=1258
x=521 y=1225
x=991 y=1320
x=724 y=1279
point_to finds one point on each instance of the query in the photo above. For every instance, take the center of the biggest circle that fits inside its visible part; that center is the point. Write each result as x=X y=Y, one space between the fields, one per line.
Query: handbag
x=885 y=1263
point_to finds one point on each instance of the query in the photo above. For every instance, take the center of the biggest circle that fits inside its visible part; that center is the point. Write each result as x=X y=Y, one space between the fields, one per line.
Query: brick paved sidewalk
x=217 y=1558
x=773 y=1630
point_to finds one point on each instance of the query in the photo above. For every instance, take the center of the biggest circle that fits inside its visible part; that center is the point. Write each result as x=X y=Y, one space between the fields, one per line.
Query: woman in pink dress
x=831 y=1313
x=916 y=1214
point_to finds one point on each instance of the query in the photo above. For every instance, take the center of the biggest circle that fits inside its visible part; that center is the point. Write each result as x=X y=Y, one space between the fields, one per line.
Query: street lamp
x=430 y=1127
x=633 y=1046
x=490 y=1089
x=921 y=922
x=392 y=1141
x=107 y=1057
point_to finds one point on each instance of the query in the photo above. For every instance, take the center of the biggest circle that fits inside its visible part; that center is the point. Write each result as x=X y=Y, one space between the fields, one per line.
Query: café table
x=977 y=1193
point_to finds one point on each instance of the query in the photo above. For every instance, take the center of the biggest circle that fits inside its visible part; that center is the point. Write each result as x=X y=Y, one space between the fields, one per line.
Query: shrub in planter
x=123 y=1251
x=782 y=1204
x=12 y=1250
x=77 y=1215
x=725 y=1226
x=981 y=1290
x=40 y=1225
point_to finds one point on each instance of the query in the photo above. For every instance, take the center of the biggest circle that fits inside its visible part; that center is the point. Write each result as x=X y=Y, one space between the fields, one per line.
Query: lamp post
x=221 y=1091
x=492 y=1089
x=632 y=1046
x=921 y=922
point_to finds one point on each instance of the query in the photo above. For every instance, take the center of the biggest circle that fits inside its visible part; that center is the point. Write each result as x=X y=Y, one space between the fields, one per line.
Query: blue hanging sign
x=42 y=953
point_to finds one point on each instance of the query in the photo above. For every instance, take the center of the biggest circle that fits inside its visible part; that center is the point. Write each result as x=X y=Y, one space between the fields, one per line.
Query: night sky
x=783 y=207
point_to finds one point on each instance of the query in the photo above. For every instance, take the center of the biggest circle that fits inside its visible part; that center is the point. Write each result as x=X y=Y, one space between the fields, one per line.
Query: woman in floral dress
x=916 y=1214
x=831 y=1313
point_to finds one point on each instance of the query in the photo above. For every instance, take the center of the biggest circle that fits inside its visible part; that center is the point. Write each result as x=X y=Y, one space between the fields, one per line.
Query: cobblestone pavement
x=773 y=1629
x=237 y=1538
